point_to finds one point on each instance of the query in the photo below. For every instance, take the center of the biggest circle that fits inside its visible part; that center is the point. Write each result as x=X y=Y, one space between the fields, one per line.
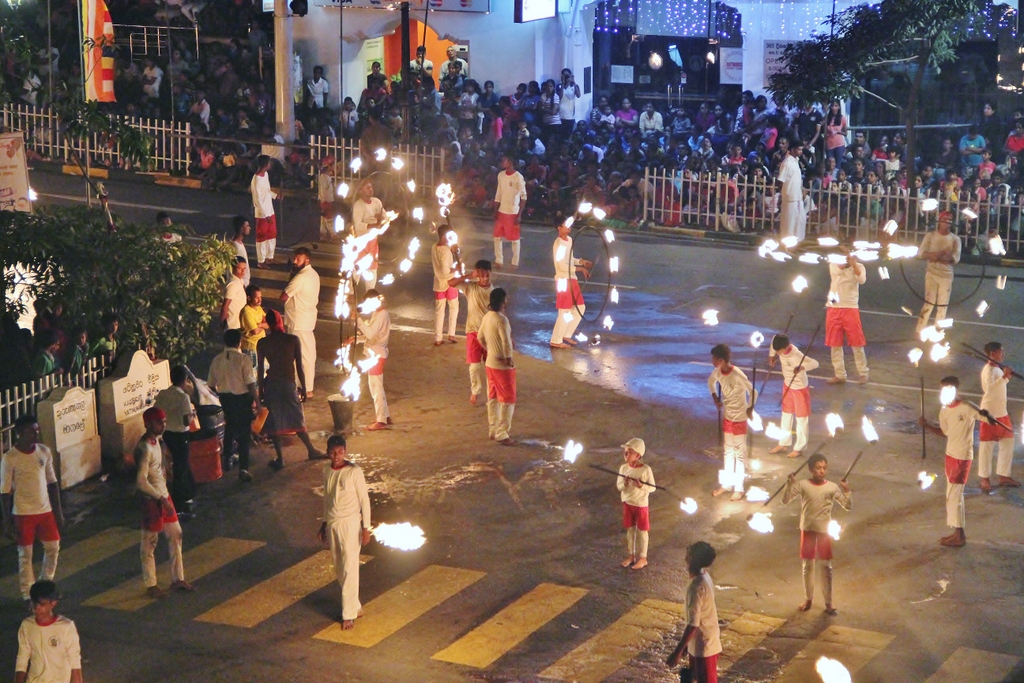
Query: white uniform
x=365 y=214
x=346 y=514
x=48 y=653
x=325 y=194
x=938 y=277
x=28 y=476
x=241 y=253
x=303 y=292
x=495 y=336
x=792 y=205
x=234 y=292
x=375 y=334
x=702 y=614
x=737 y=396
x=816 y=501
x=789 y=363
x=443 y=263
x=844 y=292
x=151 y=482
x=638 y=496
x=957 y=423
x=263 y=207
x=510 y=196
x=566 y=285
x=993 y=384
x=477 y=300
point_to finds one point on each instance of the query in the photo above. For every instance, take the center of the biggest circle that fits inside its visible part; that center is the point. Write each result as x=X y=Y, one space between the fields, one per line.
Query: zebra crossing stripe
x=853 y=647
x=977 y=666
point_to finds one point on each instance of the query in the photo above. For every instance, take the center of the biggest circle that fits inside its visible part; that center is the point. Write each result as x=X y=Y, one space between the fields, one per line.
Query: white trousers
x=733 y=472
x=499 y=419
x=1003 y=464
x=825 y=570
x=26 y=574
x=307 y=345
x=147 y=547
x=499 y=256
x=801 y=431
x=565 y=328
x=380 y=400
x=477 y=378
x=326 y=228
x=956 y=516
x=936 y=296
x=343 y=537
x=453 y=317
x=265 y=250
x=860 y=359
x=790 y=214
x=636 y=542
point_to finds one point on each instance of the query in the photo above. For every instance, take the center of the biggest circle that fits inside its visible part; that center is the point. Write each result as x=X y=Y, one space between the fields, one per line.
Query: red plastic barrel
x=204 y=458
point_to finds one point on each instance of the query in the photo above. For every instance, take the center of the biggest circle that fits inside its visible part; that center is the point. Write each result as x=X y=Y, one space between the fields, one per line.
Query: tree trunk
x=910 y=116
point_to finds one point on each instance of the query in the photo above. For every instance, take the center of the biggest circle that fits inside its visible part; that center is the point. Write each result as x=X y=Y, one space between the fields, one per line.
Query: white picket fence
x=717 y=202
x=21 y=399
x=425 y=165
x=43 y=135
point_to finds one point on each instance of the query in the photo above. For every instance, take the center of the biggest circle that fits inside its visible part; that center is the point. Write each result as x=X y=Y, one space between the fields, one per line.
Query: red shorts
x=840 y=321
x=505 y=226
x=989 y=432
x=704 y=669
x=451 y=293
x=266 y=228
x=815 y=546
x=572 y=295
x=377 y=369
x=31 y=527
x=797 y=401
x=640 y=517
x=957 y=470
x=474 y=352
x=501 y=384
x=154 y=517
x=737 y=428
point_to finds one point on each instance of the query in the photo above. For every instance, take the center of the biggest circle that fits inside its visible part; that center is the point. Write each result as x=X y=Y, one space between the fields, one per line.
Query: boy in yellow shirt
x=254 y=321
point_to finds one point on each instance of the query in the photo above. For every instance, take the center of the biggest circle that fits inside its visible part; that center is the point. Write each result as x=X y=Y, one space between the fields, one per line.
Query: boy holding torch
x=817 y=496
x=477 y=288
x=735 y=399
x=796 y=393
x=994 y=378
x=635 y=484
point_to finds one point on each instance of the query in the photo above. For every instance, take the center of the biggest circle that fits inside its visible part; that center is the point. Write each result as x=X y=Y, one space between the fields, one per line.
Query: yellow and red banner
x=98 y=51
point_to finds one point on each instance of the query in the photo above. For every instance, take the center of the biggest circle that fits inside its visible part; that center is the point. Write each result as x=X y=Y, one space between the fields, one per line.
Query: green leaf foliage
x=164 y=293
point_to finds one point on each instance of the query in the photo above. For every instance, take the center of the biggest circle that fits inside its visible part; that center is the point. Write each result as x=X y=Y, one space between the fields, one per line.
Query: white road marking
x=82 y=200
x=958 y=322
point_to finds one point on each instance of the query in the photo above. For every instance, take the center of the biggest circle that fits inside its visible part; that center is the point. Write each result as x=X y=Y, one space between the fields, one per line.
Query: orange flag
x=98 y=51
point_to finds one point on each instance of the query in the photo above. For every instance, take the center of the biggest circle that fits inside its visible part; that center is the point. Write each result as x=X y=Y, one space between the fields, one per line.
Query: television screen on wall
x=532 y=10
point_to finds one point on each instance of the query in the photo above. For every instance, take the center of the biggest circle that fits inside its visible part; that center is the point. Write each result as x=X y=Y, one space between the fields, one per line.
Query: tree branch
x=878 y=97
x=871 y=65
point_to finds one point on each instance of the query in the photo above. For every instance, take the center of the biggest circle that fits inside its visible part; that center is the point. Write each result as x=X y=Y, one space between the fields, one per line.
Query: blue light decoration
x=616 y=16
x=680 y=18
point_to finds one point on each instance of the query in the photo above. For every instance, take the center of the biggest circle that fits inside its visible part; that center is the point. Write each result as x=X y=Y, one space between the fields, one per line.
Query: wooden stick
x=619 y=474
x=852 y=464
x=796 y=472
x=799 y=365
x=985 y=357
x=924 y=431
x=769 y=373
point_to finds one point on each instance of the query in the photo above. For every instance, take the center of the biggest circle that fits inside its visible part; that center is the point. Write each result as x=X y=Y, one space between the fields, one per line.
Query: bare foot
x=627 y=562
x=438 y=343
x=472 y=399
x=794 y=454
x=863 y=379
x=559 y=346
x=986 y=487
x=836 y=380
x=957 y=540
x=804 y=606
x=155 y=592
x=453 y=340
x=184 y=586
x=717 y=492
x=737 y=495
x=640 y=564
x=1009 y=482
x=377 y=426
x=570 y=342
x=348 y=624
x=831 y=611
x=491 y=437
x=778 y=449
x=508 y=442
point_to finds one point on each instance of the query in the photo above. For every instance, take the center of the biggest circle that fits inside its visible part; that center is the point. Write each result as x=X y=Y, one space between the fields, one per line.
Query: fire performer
x=346 y=524
x=495 y=336
x=568 y=297
x=375 y=335
x=994 y=377
x=635 y=484
x=842 y=318
x=367 y=213
x=817 y=496
x=442 y=257
x=702 y=639
x=796 y=393
x=734 y=398
x=509 y=203
x=263 y=206
x=941 y=249
x=956 y=423
x=477 y=287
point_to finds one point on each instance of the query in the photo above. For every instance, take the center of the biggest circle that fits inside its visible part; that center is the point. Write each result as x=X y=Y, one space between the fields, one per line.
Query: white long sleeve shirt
x=702 y=614
x=262 y=196
x=150 y=479
x=791 y=179
x=48 y=653
x=375 y=332
x=303 y=292
x=844 y=292
x=816 y=502
x=993 y=384
x=345 y=494
x=933 y=241
x=443 y=262
x=957 y=423
x=495 y=335
x=737 y=392
x=27 y=475
x=365 y=214
x=325 y=188
x=477 y=300
x=630 y=492
x=511 y=192
x=789 y=359
x=561 y=255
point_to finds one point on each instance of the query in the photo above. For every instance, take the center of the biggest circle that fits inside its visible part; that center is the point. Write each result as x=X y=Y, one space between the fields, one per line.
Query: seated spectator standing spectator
x=550 y=110
x=650 y=121
x=47 y=346
x=1014 y=143
x=317 y=89
x=421 y=64
x=454 y=59
x=971 y=146
x=568 y=92
x=626 y=118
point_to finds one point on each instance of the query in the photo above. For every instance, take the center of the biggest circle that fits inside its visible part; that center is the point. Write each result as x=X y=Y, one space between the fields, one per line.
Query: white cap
x=637 y=445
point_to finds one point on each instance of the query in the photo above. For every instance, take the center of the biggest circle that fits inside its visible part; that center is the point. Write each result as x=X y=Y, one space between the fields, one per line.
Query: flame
x=982 y=308
x=1000 y=282
x=599 y=213
x=381 y=154
x=944 y=323
x=356 y=164
x=567 y=317
x=387 y=279
x=969 y=212
x=890 y=228
x=938 y=352
x=781 y=257
x=837 y=259
x=397 y=163
x=932 y=334
x=370 y=305
x=995 y=245
x=924 y=480
x=32 y=196
x=789 y=241
x=367 y=363
x=609 y=236
x=773 y=432
x=613 y=264
x=808 y=258
x=710 y=317
x=908 y=311
x=799 y=284
x=339 y=224
x=828 y=241
x=562 y=284
x=560 y=253
x=761 y=522
x=756 y=339
x=414 y=246
x=418 y=213
x=833 y=297
x=571 y=451
x=947 y=395
x=865 y=255
x=834 y=422
x=350 y=387
x=831 y=670
x=755 y=465
x=883 y=272
x=767 y=247
x=401 y=536
x=755 y=422
x=607 y=323
x=615 y=295
x=930 y=204
x=868 y=430
x=689 y=506
x=834 y=529
x=405 y=265
x=585 y=207
x=864 y=244
x=571 y=220
x=756 y=494
x=411 y=185
x=343 y=190
x=902 y=251
x=580 y=337
x=452 y=238
x=915 y=356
